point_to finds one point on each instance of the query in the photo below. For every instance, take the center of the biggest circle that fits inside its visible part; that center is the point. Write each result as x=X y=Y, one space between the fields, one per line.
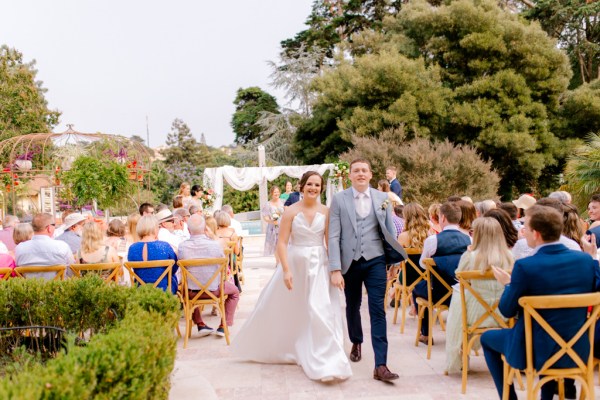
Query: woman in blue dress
x=149 y=248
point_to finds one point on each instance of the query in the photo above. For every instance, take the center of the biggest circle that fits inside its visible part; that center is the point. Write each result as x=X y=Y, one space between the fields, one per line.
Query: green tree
x=332 y=22
x=183 y=146
x=105 y=181
x=429 y=171
x=249 y=103
x=465 y=71
x=582 y=173
x=23 y=107
x=576 y=26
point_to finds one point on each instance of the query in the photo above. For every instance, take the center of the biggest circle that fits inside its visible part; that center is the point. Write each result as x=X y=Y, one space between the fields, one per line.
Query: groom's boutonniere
x=384 y=205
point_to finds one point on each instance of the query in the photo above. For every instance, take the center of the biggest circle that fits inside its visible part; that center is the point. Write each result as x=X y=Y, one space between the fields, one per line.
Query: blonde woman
x=434 y=218
x=416 y=226
x=185 y=193
x=416 y=230
x=488 y=248
x=93 y=250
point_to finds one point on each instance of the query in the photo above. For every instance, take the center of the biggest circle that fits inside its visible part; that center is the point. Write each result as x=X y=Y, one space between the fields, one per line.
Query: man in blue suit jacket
x=552 y=269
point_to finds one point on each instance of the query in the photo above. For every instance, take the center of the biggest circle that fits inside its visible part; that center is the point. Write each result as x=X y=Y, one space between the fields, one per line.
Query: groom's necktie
x=362 y=208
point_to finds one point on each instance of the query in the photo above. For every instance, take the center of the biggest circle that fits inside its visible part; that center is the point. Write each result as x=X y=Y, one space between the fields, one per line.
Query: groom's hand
x=337 y=279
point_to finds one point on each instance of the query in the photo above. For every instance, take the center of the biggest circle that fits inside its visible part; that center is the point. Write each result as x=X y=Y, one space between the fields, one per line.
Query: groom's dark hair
x=361 y=160
x=307 y=175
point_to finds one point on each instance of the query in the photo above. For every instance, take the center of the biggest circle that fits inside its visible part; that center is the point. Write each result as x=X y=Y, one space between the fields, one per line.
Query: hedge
x=131 y=351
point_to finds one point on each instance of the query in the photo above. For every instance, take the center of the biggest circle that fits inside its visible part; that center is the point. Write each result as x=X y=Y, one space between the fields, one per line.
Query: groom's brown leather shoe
x=355 y=354
x=382 y=373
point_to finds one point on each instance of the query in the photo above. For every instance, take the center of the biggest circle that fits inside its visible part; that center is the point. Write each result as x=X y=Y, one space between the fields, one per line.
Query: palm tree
x=582 y=172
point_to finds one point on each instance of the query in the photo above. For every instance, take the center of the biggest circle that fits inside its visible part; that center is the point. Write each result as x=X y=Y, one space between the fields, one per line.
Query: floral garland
x=341 y=172
x=207 y=196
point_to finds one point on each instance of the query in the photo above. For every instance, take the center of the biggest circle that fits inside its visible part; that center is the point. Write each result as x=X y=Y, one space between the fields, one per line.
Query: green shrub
x=131 y=357
x=428 y=171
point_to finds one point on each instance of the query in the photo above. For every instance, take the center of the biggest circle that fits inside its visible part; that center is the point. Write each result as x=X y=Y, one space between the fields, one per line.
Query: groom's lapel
x=349 y=200
x=377 y=207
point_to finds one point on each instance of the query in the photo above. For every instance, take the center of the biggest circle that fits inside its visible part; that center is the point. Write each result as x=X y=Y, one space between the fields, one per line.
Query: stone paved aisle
x=207 y=370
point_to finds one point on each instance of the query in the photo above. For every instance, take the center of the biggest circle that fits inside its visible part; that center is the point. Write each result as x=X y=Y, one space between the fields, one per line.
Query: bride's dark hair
x=307 y=175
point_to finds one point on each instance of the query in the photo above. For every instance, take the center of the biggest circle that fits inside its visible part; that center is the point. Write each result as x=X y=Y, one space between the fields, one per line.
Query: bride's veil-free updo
x=307 y=175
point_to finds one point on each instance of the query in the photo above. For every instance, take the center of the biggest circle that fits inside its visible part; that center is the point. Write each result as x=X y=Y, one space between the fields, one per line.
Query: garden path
x=207 y=369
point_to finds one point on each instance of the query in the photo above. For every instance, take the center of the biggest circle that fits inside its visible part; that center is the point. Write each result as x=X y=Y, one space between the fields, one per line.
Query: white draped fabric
x=245 y=178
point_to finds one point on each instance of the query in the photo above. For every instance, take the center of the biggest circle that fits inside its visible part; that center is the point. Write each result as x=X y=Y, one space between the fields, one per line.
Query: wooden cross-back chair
x=58 y=270
x=471 y=332
x=584 y=368
x=403 y=290
x=135 y=278
x=239 y=260
x=203 y=296
x=5 y=273
x=434 y=309
x=109 y=272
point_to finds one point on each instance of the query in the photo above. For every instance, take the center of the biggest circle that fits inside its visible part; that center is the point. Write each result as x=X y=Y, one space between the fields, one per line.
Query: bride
x=298 y=318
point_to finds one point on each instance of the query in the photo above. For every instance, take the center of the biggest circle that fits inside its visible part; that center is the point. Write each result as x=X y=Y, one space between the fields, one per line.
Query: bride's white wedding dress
x=304 y=325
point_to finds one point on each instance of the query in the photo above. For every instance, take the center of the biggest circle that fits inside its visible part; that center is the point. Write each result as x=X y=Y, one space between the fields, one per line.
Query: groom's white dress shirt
x=362 y=202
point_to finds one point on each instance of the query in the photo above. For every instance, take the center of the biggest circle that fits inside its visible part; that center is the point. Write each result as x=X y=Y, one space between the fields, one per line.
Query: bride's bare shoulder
x=323 y=209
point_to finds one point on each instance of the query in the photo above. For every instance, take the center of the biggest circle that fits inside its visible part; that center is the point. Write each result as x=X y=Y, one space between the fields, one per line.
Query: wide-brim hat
x=72 y=219
x=164 y=215
x=524 y=202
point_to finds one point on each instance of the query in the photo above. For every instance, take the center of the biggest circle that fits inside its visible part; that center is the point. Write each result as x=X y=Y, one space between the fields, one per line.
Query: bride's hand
x=287 y=279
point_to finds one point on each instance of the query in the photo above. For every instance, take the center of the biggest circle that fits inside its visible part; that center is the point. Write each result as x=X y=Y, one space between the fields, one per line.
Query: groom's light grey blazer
x=342 y=235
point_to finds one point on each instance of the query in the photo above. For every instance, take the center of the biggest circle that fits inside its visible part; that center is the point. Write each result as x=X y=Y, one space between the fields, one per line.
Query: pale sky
x=109 y=64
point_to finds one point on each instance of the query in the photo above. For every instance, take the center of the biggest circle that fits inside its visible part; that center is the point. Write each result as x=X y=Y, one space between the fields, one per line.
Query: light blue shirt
x=43 y=250
x=200 y=246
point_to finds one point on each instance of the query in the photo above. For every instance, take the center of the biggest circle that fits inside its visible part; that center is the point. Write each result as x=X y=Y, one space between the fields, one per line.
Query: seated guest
x=93 y=248
x=434 y=218
x=553 y=269
x=146 y=209
x=225 y=231
x=523 y=203
x=72 y=225
x=42 y=249
x=468 y=215
x=522 y=249
x=398 y=217
x=200 y=246
x=484 y=206
x=61 y=229
x=149 y=248
x=416 y=226
x=384 y=186
x=196 y=210
x=445 y=248
x=416 y=230
x=573 y=225
x=488 y=249
x=513 y=213
x=6 y=234
x=562 y=196
x=211 y=231
x=511 y=235
x=235 y=224
x=22 y=233
x=166 y=232
x=594 y=214
x=181 y=228
x=115 y=235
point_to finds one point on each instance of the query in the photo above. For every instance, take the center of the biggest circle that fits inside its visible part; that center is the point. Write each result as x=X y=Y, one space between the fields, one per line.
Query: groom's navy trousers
x=373 y=274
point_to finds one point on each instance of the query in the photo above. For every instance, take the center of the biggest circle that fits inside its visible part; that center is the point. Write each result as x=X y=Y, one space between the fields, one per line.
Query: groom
x=360 y=246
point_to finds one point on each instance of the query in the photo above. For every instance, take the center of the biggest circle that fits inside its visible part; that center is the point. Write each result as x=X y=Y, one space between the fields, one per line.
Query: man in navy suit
x=390 y=174
x=552 y=269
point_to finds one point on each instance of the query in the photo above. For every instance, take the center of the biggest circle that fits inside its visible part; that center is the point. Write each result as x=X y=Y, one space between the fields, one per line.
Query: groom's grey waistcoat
x=369 y=243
